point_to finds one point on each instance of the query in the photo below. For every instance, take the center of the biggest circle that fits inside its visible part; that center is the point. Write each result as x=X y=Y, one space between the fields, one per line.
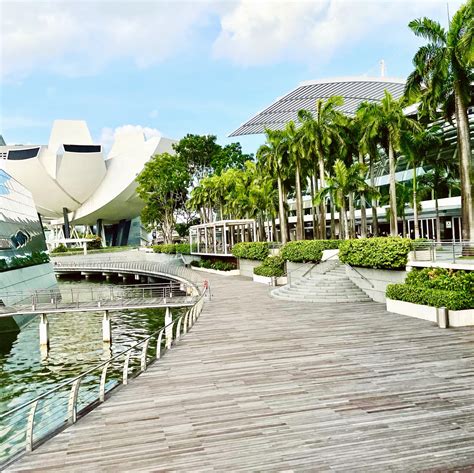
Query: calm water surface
x=75 y=346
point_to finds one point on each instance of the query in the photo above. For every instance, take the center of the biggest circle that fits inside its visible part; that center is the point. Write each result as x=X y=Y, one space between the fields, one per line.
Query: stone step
x=328 y=300
x=322 y=290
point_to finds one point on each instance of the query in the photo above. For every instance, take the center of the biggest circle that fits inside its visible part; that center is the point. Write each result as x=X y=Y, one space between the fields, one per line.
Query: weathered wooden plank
x=267 y=385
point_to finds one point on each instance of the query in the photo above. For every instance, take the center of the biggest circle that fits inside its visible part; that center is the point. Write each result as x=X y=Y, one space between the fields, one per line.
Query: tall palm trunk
x=363 y=210
x=393 y=191
x=274 y=232
x=333 y=218
x=415 y=204
x=322 y=222
x=343 y=215
x=313 y=212
x=375 y=221
x=466 y=166
x=299 y=203
x=282 y=212
x=352 y=215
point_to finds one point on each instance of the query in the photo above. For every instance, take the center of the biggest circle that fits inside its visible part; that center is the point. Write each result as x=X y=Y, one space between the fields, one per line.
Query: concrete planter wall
x=246 y=266
x=233 y=272
x=457 y=318
x=374 y=282
x=281 y=281
x=413 y=310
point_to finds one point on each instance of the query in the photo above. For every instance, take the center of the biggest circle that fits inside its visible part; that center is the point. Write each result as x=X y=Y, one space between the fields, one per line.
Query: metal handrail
x=31 y=406
x=347 y=265
x=307 y=271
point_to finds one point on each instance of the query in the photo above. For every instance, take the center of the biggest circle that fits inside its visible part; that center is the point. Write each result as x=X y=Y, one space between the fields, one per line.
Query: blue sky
x=186 y=67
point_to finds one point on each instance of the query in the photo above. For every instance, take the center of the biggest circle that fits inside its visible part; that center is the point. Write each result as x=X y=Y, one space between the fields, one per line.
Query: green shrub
x=452 y=300
x=271 y=266
x=183 y=248
x=378 y=253
x=307 y=250
x=157 y=248
x=95 y=244
x=251 y=250
x=217 y=265
x=60 y=249
x=441 y=278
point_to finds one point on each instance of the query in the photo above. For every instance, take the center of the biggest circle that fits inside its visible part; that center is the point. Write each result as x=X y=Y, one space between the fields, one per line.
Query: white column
x=106 y=328
x=44 y=330
x=215 y=239
x=205 y=238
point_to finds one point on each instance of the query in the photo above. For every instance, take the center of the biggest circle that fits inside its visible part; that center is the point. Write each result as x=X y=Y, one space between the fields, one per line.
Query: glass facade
x=21 y=233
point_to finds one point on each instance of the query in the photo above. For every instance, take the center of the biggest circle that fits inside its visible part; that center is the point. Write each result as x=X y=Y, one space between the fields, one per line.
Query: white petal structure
x=72 y=172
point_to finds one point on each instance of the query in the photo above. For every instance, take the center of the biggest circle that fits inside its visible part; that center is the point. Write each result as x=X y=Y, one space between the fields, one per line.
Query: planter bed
x=457 y=318
x=233 y=272
x=280 y=281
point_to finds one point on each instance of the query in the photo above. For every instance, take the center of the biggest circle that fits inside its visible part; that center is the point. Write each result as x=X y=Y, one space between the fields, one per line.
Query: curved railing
x=26 y=426
x=148 y=268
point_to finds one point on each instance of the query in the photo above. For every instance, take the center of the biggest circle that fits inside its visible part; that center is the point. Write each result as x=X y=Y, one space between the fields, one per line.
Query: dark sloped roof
x=353 y=90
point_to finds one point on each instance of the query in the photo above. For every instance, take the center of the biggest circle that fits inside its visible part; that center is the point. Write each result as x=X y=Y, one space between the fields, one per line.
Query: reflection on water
x=75 y=346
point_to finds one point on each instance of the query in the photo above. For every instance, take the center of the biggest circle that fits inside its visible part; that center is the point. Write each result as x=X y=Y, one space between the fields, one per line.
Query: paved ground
x=266 y=385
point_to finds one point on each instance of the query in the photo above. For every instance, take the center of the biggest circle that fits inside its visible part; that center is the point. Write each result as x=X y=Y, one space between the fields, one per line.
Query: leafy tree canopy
x=203 y=156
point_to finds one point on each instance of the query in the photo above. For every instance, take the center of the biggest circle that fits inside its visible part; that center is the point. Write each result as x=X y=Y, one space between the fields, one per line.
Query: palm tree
x=387 y=121
x=416 y=146
x=342 y=185
x=444 y=74
x=296 y=151
x=368 y=146
x=321 y=129
x=272 y=157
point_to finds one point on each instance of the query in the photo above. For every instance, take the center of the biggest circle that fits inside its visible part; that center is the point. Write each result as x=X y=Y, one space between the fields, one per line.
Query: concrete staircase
x=334 y=286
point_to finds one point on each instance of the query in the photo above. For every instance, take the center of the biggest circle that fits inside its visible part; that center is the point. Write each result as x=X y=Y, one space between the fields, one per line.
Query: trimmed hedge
x=452 y=300
x=173 y=248
x=251 y=250
x=377 y=253
x=272 y=266
x=217 y=265
x=441 y=278
x=307 y=250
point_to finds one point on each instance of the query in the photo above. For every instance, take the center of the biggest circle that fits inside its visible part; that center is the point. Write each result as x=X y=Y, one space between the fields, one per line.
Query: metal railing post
x=125 y=369
x=103 y=378
x=158 y=344
x=72 y=405
x=143 y=356
x=30 y=427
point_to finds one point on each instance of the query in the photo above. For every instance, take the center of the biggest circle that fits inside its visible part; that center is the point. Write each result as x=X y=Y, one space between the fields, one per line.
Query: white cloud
x=109 y=135
x=73 y=37
x=77 y=38
x=258 y=32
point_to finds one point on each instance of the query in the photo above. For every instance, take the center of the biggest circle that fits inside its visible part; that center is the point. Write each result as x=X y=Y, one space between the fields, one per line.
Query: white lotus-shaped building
x=72 y=176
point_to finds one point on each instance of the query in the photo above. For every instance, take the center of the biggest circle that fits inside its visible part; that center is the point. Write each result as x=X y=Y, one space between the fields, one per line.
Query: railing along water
x=26 y=426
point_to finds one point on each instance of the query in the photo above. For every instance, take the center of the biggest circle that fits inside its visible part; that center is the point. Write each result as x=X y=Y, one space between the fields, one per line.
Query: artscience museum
x=76 y=182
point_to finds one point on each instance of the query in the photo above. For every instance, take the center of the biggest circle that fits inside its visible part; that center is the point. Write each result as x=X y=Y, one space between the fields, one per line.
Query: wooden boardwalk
x=265 y=385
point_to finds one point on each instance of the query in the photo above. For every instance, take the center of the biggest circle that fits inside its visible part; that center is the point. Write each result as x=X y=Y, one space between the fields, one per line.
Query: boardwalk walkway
x=266 y=385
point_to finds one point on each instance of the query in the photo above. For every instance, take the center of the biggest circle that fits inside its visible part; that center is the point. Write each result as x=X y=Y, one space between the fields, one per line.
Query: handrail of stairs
x=288 y=275
x=360 y=274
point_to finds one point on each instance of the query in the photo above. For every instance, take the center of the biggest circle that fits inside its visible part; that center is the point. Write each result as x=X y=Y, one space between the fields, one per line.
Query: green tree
x=272 y=157
x=416 y=146
x=162 y=185
x=321 y=129
x=444 y=75
x=387 y=121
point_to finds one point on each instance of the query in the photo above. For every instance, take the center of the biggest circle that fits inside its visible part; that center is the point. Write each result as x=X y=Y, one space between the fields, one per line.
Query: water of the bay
x=75 y=346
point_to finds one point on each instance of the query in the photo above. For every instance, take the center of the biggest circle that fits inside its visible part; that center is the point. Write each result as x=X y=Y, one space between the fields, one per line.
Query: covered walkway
x=261 y=384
